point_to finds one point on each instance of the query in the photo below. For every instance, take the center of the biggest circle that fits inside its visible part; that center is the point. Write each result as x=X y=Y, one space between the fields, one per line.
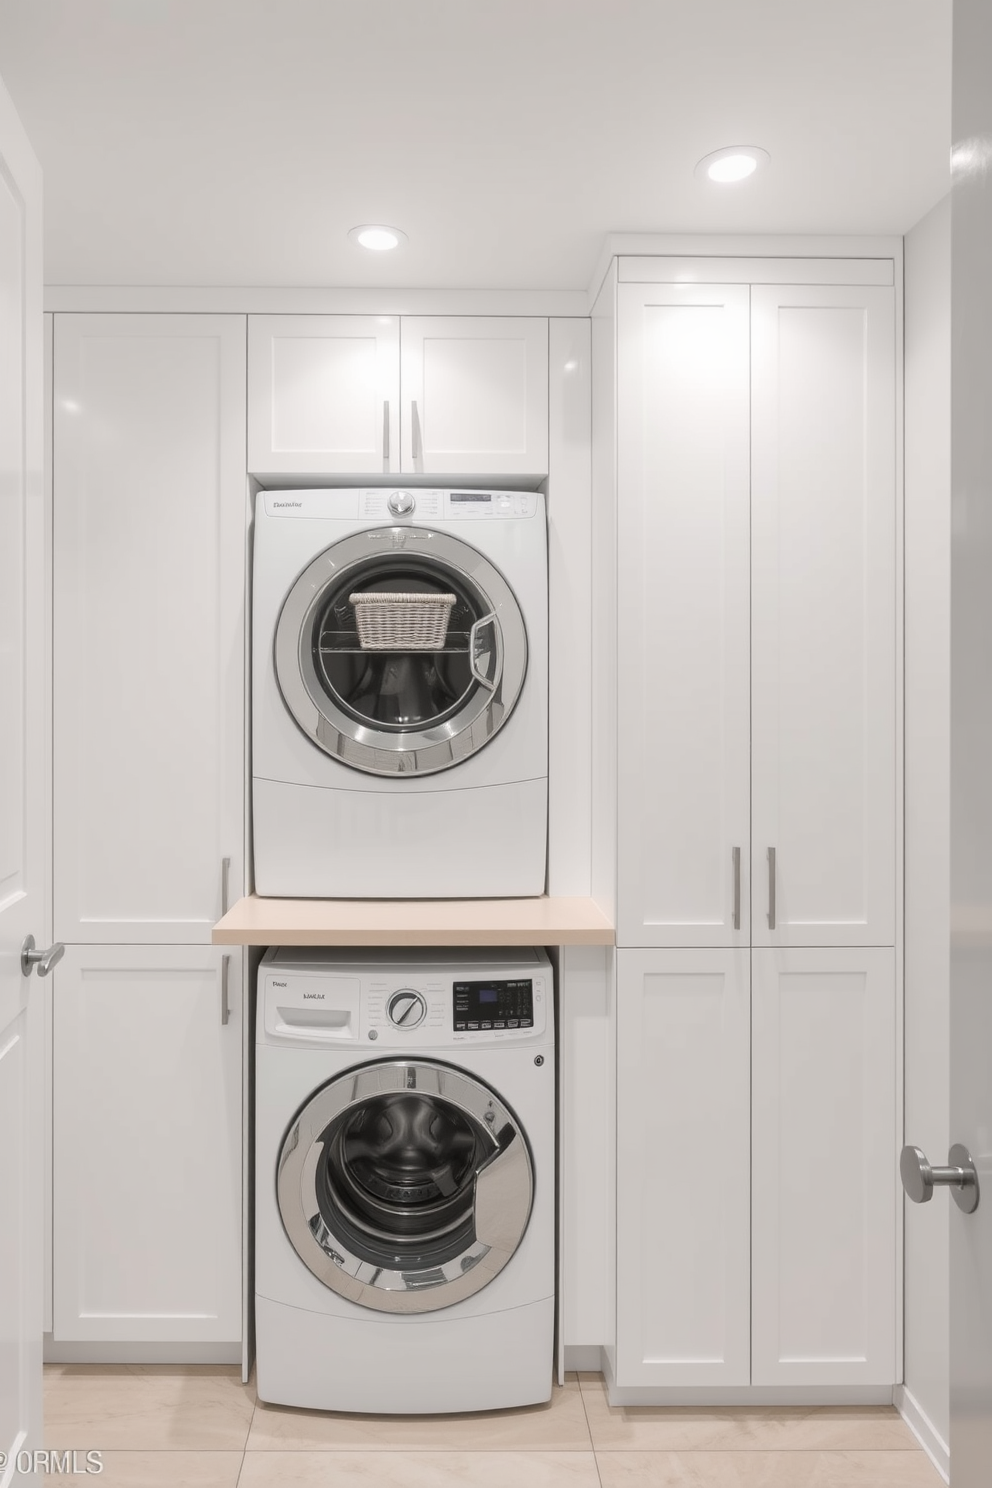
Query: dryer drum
x=405 y=710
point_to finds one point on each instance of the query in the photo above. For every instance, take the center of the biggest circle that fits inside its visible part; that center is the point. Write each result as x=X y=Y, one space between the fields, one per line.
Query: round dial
x=401 y=503
x=406 y=1008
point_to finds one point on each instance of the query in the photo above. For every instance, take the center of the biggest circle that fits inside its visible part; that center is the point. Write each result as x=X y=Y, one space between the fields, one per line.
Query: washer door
x=405 y=1186
x=402 y=710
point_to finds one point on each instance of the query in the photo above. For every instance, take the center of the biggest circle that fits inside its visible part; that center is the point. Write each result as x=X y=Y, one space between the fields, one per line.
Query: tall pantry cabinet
x=755 y=491
x=149 y=511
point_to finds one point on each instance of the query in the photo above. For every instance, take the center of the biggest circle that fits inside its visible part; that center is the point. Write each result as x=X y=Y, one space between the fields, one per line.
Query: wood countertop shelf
x=391 y=922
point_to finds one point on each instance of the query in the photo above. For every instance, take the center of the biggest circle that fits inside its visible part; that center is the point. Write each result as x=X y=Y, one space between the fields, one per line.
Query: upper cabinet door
x=475 y=396
x=823 y=665
x=323 y=394
x=149 y=555
x=683 y=701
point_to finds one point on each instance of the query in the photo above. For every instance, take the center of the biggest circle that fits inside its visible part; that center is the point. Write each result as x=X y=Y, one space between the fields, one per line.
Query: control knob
x=401 y=503
x=406 y=1008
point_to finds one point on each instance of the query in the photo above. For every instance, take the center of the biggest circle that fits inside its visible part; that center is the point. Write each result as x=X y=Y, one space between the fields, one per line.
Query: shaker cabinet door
x=824 y=1163
x=147 y=1135
x=683 y=1137
x=323 y=394
x=475 y=396
x=823 y=658
x=683 y=665
x=149 y=624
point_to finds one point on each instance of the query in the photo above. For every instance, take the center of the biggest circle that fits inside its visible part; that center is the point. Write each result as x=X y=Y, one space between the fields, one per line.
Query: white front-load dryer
x=404 y=1179
x=400 y=694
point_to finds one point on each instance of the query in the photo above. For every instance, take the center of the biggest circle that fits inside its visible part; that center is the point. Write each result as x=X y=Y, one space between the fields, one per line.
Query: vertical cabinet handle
x=225 y=884
x=416 y=438
x=737 y=887
x=225 y=1000
x=385 y=434
x=771 y=888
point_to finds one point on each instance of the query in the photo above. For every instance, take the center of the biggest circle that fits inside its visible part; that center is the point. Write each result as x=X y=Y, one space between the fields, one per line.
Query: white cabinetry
x=824 y=1159
x=756 y=688
x=150 y=508
x=149 y=521
x=683 y=1207
x=756 y=523
x=326 y=395
x=147 y=1145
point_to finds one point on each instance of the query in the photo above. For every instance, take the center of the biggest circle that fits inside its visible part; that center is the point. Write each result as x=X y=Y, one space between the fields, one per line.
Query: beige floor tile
x=156 y=1470
x=767 y=1470
x=559 y=1426
x=756 y=1428
x=419 y=1470
x=146 y=1407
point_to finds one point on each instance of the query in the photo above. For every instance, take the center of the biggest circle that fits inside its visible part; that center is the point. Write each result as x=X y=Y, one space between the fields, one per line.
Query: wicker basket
x=402 y=622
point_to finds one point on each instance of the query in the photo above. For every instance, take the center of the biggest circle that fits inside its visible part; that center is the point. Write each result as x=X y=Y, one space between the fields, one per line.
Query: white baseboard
x=583 y=1358
x=140 y=1353
x=924 y=1430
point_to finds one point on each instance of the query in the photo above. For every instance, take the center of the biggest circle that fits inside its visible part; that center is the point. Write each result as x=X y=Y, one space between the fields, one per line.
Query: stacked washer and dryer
x=405 y=1100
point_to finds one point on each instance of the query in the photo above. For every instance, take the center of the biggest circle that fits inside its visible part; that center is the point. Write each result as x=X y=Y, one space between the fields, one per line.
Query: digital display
x=485 y=1006
x=471 y=496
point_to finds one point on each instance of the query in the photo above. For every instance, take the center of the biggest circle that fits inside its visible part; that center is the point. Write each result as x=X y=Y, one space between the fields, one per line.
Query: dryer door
x=405 y=1186
x=399 y=701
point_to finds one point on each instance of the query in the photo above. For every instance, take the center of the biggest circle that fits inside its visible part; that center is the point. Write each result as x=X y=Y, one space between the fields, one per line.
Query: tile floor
x=200 y=1427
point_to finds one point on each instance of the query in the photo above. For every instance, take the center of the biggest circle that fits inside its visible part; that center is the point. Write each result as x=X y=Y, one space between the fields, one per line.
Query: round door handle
x=44 y=960
x=920 y=1178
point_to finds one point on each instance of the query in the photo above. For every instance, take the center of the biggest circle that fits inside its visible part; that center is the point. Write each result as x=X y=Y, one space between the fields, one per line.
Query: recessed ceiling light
x=377 y=238
x=732 y=163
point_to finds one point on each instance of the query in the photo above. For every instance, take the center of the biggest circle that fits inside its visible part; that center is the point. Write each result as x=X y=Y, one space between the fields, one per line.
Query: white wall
x=927 y=874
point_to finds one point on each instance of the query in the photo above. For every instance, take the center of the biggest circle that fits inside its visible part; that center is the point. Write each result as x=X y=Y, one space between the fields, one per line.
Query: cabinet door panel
x=683 y=727
x=149 y=555
x=824 y=1162
x=823 y=615
x=147 y=1145
x=475 y=395
x=323 y=394
x=682 y=1168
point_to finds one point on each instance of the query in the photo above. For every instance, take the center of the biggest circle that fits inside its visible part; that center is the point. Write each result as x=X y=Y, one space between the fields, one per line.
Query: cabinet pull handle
x=225 y=1003
x=771 y=888
x=416 y=438
x=385 y=434
x=737 y=888
x=225 y=884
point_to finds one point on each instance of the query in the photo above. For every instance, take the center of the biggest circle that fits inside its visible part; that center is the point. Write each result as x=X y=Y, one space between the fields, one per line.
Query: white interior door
x=971 y=754
x=23 y=910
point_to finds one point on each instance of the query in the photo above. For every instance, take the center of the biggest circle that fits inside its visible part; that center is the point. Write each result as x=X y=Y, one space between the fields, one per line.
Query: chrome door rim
x=381 y=751
x=502 y=1201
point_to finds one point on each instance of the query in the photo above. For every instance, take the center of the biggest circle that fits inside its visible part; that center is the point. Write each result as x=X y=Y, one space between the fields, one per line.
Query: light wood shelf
x=391 y=922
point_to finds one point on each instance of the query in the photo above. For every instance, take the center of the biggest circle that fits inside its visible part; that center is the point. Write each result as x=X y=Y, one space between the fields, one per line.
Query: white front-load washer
x=391 y=759
x=404 y=1179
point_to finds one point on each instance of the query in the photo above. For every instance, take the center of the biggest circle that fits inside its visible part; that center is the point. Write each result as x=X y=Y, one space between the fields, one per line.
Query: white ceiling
x=235 y=142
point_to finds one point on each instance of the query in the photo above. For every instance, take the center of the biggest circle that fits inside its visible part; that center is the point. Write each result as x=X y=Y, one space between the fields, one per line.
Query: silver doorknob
x=919 y=1179
x=44 y=960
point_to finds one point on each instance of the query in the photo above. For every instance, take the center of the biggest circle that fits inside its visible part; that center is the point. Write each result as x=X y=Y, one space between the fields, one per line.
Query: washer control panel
x=404 y=1007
